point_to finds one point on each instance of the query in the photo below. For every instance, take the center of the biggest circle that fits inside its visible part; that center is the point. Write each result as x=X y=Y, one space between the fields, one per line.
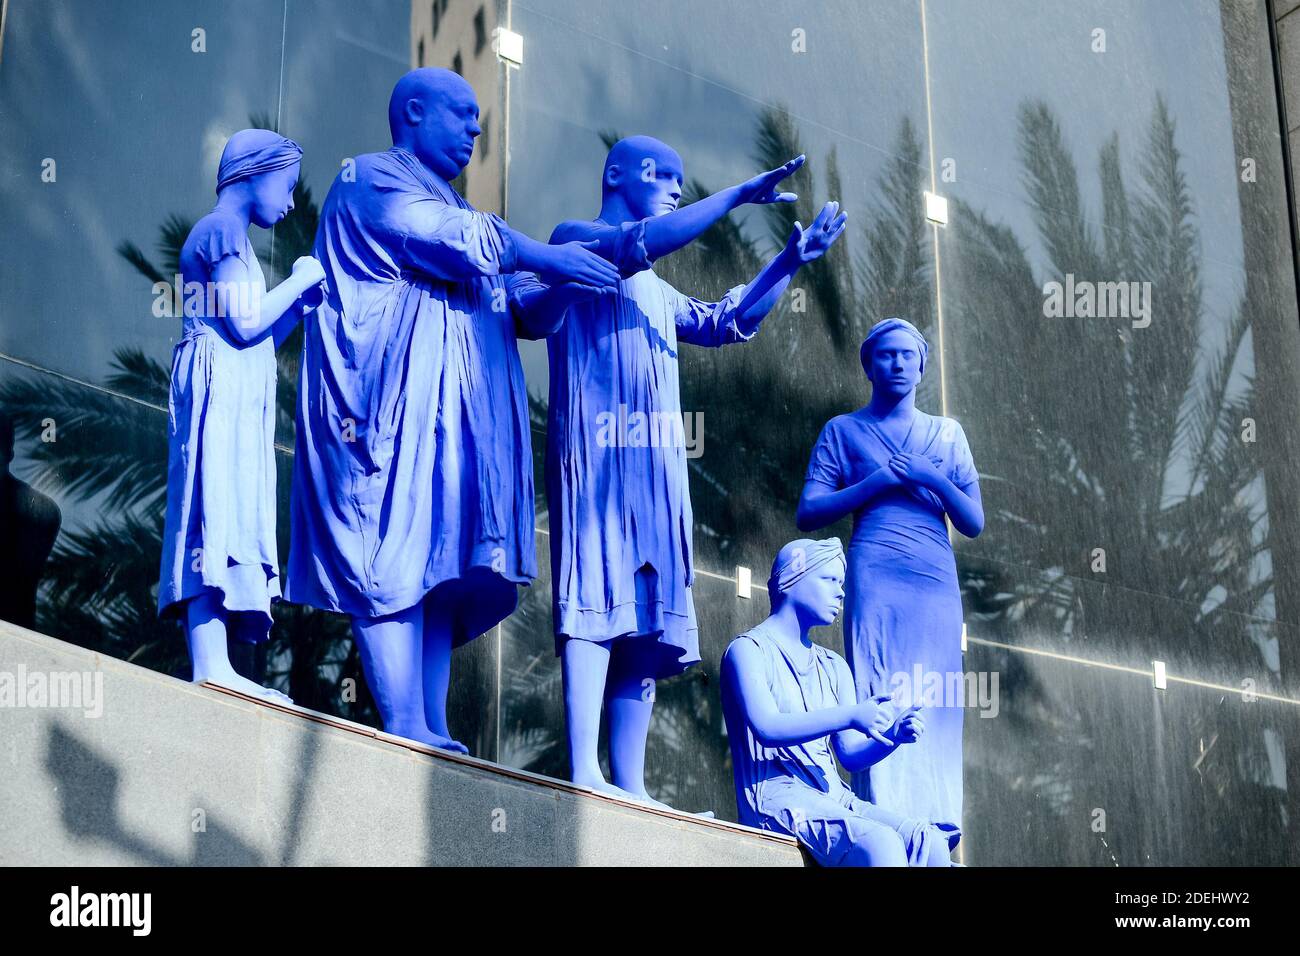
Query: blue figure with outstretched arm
x=619 y=503
x=413 y=488
x=791 y=711
x=900 y=473
x=220 y=566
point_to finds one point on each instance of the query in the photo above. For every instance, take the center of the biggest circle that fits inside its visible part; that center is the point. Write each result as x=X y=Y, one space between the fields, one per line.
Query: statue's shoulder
x=368 y=165
x=747 y=644
x=845 y=420
x=739 y=641
x=219 y=221
x=575 y=230
x=369 y=169
x=215 y=236
x=833 y=661
x=948 y=429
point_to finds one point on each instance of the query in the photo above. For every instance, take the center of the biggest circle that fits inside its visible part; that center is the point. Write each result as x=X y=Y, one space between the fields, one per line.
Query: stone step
x=170 y=773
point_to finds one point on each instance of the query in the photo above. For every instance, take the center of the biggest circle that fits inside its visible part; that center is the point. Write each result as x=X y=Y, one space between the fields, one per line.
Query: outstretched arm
x=742 y=669
x=539 y=309
x=578 y=262
x=661 y=235
x=803 y=247
x=422 y=231
x=670 y=232
x=737 y=317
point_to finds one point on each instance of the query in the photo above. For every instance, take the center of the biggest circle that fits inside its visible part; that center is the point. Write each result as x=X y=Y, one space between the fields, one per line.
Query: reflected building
x=459 y=35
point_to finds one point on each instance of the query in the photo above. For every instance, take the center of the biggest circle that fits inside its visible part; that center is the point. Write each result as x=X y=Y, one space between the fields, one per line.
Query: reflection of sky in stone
x=697 y=75
x=341 y=62
x=983 y=67
x=136 y=121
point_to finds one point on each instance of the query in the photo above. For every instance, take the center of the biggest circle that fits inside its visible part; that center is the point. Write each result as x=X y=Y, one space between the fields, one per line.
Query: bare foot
x=599 y=784
x=243 y=685
x=643 y=797
x=447 y=743
x=423 y=735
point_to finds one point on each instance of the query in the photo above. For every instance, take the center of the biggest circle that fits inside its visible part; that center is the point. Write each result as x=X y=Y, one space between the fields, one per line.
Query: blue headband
x=882 y=328
x=252 y=152
x=798 y=558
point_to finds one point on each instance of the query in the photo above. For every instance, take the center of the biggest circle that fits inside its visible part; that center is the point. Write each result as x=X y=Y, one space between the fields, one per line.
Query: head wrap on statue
x=889 y=325
x=251 y=152
x=797 y=559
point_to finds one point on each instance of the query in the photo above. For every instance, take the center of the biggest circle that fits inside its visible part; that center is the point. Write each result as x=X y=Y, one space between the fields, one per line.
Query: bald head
x=434 y=114
x=642 y=176
x=635 y=155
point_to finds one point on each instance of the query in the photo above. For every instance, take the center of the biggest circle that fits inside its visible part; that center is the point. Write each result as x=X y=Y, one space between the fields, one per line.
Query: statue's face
x=895 y=363
x=651 y=183
x=819 y=594
x=273 y=195
x=448 y=125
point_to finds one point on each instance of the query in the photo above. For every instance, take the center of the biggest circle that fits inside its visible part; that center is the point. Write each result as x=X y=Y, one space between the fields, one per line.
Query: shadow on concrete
x=88 y=788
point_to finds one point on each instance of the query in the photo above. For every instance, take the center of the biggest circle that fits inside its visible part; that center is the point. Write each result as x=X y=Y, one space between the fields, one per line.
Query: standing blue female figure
x=899 y=471
x=220 y=569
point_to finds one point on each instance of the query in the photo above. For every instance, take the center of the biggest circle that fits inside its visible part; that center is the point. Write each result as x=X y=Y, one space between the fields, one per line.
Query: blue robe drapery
x=616 y=479
x=413 y=465
x=219 y=530
x=903 y=604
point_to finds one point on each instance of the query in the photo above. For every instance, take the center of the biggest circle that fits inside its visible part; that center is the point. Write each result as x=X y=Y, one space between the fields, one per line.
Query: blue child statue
x=220 y=569
x=791 y=709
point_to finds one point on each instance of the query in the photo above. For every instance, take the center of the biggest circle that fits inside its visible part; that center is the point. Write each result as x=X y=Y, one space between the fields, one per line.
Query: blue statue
x=899 y=472
x=619 y=503
x=413 y=491
x=220 y=567
x=791 y=710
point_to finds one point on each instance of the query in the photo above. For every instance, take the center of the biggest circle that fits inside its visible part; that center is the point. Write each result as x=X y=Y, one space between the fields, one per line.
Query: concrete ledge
x=174 y=774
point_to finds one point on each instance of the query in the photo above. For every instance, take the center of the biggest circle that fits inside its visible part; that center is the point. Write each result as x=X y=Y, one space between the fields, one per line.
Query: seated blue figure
x=791 y=709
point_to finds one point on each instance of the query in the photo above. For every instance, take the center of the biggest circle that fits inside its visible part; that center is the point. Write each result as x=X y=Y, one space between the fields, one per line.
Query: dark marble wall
x=1137 y=465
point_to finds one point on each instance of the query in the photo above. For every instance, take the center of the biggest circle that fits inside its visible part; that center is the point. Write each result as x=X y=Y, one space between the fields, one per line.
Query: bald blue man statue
x=413 y=491
x=619 y=503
